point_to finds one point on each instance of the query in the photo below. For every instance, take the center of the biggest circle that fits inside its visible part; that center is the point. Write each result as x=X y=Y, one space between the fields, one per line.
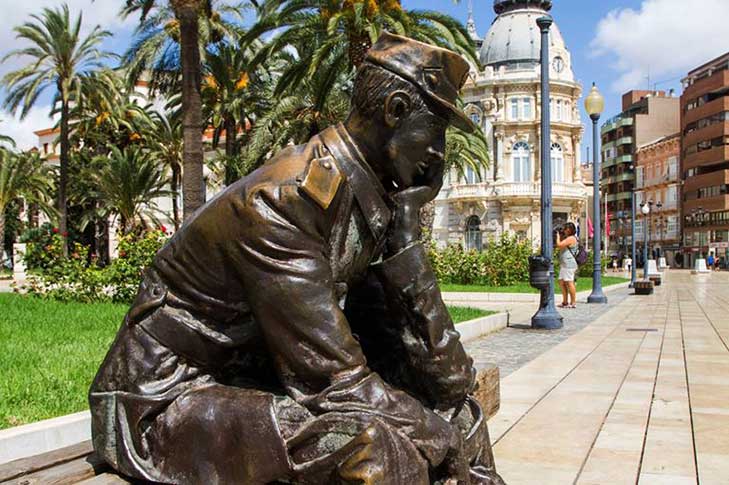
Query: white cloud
x=22 y=131
x=104 y=13
x=664 y=39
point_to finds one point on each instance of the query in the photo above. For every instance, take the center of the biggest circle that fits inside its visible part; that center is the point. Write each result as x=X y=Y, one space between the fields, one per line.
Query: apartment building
x=658 y=180
x=646 y=116
x=705 y=159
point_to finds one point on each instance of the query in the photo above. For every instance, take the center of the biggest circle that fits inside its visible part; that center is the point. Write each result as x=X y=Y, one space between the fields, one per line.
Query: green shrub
x=504 y=261
x=43 y=246
x=70 y=278
x=74 y=279
x=135 y=254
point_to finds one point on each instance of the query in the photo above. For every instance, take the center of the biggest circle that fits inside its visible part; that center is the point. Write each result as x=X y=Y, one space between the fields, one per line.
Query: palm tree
x=59 y=58
x=24 y=175
x=169 y=41
x=107 y=111
x=466 y=150
x=128 y=182
x=166 y=143
x=331 y=37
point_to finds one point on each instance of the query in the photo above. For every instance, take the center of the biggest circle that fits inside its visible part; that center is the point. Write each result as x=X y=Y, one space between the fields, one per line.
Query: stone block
x=488 y=392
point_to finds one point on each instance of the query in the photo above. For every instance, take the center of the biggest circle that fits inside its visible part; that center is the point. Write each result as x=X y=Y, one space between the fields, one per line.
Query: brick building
x=705 y=159
x=658 y=179
x=647 y=116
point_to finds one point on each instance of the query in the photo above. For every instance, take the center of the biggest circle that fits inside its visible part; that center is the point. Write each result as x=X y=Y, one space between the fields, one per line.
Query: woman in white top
x=567 y=245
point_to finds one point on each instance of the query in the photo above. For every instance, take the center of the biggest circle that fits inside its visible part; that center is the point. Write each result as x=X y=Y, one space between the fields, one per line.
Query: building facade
x=503 y=99
x=658 y=179
x=705 y=160
x=647 y=116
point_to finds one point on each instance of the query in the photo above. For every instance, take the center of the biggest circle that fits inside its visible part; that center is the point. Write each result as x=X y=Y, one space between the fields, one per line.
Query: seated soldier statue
x=292 y=331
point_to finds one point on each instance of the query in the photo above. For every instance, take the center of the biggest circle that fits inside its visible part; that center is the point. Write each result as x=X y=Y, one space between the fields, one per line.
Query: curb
x=478 y=327
x=459 y=298
x=582 y=295
x=464 y=298
x=44 y=436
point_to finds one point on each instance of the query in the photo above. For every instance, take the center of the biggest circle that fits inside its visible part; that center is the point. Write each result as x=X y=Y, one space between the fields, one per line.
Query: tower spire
x=470 y=23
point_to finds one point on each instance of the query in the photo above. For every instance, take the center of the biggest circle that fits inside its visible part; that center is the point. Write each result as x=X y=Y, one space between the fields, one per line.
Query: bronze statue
x=292 y=331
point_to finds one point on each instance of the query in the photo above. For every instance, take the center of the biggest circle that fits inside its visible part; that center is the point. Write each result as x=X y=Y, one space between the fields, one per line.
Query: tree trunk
x=2 y=235
x=62 y=184
x=175 y=186
x=359 y=44
x=187 y=12
x=230 y=134
x=230 y=151
x=33 y=215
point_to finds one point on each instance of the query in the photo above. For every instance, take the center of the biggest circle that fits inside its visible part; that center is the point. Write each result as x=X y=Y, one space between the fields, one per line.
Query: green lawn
x=50 y=351
x=582 y=284
x=462 y=314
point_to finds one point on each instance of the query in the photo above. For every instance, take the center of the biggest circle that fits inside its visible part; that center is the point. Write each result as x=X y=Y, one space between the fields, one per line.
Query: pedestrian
x=567 y=245
x=710 y=261
x=615 y=264
x=629 y=264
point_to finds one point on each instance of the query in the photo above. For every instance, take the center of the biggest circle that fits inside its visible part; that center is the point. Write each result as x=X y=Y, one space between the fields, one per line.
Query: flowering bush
x=43 y=246
x=503 y=262
x=73 y=278
x=135 y=254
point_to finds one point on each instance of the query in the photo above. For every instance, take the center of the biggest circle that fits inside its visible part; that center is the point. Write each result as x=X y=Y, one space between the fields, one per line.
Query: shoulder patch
x=322 y=180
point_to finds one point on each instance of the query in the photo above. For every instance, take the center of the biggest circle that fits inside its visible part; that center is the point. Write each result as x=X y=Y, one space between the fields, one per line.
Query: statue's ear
x=397 y=107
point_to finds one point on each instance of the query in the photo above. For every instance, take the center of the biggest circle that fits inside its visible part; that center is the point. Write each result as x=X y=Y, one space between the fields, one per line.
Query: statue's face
x=416 y=148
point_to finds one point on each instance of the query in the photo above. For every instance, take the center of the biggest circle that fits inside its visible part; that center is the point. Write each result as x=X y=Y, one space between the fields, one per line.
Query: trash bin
x=539 y=274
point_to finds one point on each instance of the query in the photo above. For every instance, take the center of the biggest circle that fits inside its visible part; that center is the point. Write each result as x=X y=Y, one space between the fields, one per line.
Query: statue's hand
x=405 y=226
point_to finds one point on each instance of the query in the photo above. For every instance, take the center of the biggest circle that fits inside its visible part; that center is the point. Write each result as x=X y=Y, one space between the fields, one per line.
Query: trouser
x=165 y=420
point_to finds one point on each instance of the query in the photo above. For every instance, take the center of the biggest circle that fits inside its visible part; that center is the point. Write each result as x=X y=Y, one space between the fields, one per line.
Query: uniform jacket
x=278 y=284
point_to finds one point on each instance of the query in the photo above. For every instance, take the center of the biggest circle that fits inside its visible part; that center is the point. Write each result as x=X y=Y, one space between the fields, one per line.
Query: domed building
x=503 y=99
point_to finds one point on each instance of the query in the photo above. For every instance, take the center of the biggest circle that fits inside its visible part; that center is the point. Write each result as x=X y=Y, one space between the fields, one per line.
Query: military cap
x=439 y=73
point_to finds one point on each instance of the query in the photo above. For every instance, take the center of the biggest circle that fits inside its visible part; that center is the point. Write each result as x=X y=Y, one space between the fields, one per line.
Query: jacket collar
x=360 y=177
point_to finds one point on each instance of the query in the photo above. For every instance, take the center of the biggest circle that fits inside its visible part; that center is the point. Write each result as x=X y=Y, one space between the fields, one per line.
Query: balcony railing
x=514 y=189
x=619 y=196
x=661 y=179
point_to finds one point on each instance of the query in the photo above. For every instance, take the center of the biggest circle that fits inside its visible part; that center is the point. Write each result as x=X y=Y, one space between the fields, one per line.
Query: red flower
x=163 y=229
x=122 y=254
x=65 y=234
x=55 y=230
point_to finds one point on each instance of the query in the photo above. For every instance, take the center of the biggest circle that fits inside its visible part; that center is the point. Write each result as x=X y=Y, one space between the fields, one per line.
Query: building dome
x=514 y=35
x=501 y=6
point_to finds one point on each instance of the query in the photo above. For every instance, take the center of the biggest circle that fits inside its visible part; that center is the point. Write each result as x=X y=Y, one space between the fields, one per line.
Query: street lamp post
x=594 y=105
x=645 y=208
x=633 y=271
x=547 y=317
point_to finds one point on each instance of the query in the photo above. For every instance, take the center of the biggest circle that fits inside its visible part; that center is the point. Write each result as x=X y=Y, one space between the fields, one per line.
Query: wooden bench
x=78 y=463
x=73 y=464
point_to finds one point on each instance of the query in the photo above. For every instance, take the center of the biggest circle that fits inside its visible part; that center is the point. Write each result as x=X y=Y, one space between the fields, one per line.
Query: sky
x=618 y=44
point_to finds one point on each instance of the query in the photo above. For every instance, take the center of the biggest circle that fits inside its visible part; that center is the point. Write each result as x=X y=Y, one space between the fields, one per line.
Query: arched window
x=470 y=175
x=557 y=163
x=521 y=162
x=473 y=237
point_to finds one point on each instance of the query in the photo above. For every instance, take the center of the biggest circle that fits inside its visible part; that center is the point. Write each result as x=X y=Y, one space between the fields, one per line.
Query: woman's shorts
x=567 y=274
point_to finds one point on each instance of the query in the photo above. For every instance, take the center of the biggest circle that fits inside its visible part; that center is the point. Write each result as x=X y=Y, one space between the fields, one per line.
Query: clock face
x=558 y=64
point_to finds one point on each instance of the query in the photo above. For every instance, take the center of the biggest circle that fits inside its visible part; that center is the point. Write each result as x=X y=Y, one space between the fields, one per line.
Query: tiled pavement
x=635 y=393
x=518 y=344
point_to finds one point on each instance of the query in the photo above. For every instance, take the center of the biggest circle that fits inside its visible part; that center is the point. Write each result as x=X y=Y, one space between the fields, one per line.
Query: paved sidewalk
x=518 y=344
x=639 y=394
